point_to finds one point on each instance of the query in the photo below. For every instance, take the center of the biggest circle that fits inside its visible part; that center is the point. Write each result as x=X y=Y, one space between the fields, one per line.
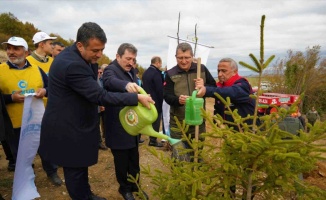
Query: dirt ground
x=102 y=176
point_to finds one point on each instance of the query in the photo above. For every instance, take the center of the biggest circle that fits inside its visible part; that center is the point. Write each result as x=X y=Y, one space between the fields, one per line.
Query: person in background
x=57 y=47
x=179 y=85
x=153 y=85
x=120 y=76
x=70 y=130
x=102 y=113
x=43 y=49
x=101 y=109
x=312 y=116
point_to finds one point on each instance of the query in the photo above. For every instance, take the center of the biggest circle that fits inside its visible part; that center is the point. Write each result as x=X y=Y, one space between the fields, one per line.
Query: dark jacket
x=5 y=122
x=239 y=95
x=70 y=130
x=115 y=79
x=153 y=85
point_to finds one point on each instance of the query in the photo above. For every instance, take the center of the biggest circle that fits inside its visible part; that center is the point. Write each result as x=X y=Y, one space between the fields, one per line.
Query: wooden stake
x=197 y=126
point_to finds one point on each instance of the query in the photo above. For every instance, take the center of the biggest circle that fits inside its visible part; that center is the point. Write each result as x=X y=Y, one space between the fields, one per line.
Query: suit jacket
x=153 y=85
x=115 y=79
x=70 y=128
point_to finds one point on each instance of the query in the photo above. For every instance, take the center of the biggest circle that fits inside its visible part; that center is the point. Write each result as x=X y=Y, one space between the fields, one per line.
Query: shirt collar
x=14 y=66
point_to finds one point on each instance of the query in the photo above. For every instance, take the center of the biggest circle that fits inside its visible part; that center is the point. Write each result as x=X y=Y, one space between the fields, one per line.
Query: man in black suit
x=153 y=85
x=69 y=130
x=124 y=147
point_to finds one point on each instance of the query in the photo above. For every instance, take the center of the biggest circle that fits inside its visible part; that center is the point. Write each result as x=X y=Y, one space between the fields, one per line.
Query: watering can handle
x=142 y=91
x=194 y=93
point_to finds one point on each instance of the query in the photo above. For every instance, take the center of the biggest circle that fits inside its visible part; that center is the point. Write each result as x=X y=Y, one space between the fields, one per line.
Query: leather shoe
x=94 y=197
x=128 y=196
x=55 y=179
x=155 y=144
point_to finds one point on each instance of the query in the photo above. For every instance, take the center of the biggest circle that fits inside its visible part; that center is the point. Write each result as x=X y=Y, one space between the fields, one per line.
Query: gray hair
x=232 y=62
x=126 y=46
x=184 y=47
x=88 y=31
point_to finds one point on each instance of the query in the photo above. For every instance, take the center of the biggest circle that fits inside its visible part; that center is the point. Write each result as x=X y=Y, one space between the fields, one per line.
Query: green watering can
x=193 y=112
x=138 y=120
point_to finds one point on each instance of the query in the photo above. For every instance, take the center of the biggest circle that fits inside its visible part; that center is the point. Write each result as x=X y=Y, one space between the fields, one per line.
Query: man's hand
x=199 y=82
x=40 y=93
x=145 y=100
x=17 y=97
x=102 y=108
x=132 y=87
x=201 y=92
x=200 y=87
x=182 y=99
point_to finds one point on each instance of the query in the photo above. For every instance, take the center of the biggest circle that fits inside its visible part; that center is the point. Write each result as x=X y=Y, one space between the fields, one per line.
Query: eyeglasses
x=184 y=58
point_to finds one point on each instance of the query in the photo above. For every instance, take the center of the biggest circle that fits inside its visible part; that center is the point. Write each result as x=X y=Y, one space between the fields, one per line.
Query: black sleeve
x=169 y=95
x=45 y=80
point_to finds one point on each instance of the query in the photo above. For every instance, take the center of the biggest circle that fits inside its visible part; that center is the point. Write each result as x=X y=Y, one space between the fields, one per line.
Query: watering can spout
x=148 y=130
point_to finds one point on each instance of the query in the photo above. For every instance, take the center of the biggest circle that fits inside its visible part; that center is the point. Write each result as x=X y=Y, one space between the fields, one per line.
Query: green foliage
x=257 y=160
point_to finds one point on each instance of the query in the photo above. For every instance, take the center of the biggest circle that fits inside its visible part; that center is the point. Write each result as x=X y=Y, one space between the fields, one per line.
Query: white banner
x=201 y=51
x=24 y=186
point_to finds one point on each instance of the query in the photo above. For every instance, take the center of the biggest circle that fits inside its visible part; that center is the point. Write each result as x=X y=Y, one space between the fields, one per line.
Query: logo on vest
x=22 y=84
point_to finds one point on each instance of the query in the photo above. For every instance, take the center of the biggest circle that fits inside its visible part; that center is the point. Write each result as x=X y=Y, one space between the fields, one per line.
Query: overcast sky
x=232 y=27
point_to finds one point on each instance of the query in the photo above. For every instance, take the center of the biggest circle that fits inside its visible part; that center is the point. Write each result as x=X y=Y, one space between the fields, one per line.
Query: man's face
x=93 y=51
x=56 y=50
x=225 y=71
x=127 y=60
x=16 y=54
x=99 y=73
x=184 y=59
x=47 y=46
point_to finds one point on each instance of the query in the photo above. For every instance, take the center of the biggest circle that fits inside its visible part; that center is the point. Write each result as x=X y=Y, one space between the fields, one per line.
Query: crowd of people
x=83 y=100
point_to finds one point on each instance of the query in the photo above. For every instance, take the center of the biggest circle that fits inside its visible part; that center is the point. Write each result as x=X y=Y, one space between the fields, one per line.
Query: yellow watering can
x=139 y=119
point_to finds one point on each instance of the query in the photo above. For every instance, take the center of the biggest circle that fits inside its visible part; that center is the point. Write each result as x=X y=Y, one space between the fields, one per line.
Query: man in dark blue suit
x=153 y=85
x=70 y=131
x=118 y=77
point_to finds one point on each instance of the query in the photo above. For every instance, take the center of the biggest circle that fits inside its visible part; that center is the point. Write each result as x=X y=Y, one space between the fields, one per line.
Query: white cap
x=17 y=41
x=41 y=36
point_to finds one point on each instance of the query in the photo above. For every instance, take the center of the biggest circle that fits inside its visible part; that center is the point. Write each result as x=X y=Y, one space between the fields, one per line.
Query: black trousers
x=77 y=182
x=13 y=141
x=126 y=162
x=7 y=150
x=156 y=127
